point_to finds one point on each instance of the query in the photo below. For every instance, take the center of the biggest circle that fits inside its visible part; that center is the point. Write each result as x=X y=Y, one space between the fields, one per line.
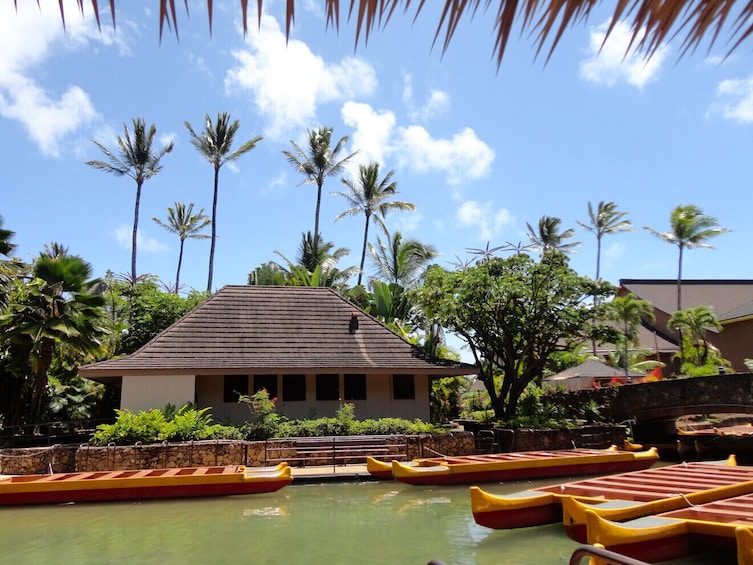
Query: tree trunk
x=214 y=228
x=135 y=230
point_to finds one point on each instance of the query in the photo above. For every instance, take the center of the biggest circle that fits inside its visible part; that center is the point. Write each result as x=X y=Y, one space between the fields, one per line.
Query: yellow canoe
x=621 y=492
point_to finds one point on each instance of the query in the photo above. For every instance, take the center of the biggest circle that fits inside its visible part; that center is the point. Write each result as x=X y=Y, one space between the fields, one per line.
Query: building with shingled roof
x=310 y=348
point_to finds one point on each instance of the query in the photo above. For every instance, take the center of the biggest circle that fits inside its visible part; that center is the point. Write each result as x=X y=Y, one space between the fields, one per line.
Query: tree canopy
x=513 y=313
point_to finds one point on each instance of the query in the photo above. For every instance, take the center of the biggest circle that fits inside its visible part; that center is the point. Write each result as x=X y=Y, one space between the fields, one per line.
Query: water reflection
x=349 y=523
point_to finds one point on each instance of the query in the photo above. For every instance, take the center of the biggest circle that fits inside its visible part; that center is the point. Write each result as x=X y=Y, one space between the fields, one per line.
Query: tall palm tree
x=690 y=228
x=401 y=261
x=186 y=225
x=629 y=311
x=370 y=196
x=547 y=236
x=650 y=25
x=607 y=219
x=135 y=158
x=8 y=268
x=214 y=144
x=321 y=160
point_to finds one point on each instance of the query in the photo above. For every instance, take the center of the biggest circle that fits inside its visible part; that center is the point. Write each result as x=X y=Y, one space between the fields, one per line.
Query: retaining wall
x=71 y=458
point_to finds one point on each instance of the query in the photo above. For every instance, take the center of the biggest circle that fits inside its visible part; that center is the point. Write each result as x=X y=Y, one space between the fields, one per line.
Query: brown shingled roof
x=275 y=329
x=724 y=296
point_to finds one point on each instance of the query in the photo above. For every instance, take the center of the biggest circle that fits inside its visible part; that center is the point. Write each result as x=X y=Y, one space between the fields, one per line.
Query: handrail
x=603 y=556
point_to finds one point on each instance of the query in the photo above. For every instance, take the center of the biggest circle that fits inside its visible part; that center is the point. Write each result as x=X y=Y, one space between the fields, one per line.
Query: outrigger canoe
x=628 y=495
x=679 y=533
x=140 y=484
x=516 y=465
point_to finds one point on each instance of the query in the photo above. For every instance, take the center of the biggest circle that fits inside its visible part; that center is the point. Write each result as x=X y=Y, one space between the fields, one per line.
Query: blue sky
x=479 y=151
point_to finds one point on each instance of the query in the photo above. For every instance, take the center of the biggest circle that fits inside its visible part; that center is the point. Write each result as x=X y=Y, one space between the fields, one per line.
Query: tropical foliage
x=651 y=24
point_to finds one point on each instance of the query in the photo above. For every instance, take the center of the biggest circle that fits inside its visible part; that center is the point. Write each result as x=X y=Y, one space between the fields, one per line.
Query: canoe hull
x=140 y=485
x=521 y=466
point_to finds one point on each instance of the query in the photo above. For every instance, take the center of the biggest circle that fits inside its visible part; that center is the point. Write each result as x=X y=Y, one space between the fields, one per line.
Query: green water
x=364 y=522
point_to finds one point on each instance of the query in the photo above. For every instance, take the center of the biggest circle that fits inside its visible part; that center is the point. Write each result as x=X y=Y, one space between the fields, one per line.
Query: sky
x=481 y=151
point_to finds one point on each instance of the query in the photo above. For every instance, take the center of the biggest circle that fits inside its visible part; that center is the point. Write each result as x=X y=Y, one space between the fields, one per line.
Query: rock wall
x=71 y=458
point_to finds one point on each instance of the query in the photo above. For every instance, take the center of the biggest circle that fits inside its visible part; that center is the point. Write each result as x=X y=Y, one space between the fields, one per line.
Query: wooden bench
x=333 y=450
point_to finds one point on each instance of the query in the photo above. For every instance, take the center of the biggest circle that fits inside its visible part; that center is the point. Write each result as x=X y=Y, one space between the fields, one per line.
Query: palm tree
x=690 y=228
x=605 y=220
x=316 y=264
x=546 y=20
x=185 y=224
x=58 y=310
x=401 y=261
x=8 y=268
x=214 y=144
x=629 y=311
x=369 y=195
x=136 y=159
x=548 y=237
x=695 y=322
x=321 y=161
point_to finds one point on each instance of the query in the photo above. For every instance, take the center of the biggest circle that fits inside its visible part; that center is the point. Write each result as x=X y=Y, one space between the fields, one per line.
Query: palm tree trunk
x=214 y=228
x=135 y=230
x=319 y=183
x=363 y=251
x=180 y=262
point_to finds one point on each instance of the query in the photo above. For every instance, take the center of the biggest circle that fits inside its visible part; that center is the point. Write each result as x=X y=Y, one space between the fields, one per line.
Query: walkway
x=331 y=473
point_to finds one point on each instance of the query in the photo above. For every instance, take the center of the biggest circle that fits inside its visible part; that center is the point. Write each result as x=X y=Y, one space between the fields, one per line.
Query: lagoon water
x=379 y=522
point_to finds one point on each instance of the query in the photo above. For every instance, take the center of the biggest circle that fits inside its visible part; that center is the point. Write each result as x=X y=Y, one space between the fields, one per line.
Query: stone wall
x=63 y=459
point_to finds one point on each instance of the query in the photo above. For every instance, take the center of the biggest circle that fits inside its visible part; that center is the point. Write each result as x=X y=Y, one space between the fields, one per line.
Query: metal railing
x=601 y=556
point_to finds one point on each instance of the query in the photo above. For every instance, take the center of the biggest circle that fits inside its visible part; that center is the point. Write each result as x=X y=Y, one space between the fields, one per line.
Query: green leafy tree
x=689 y=228
x=136 y=158
x=138 y=312
x=56 y=311
x=320 y=160
x=513 y=313
x=269 y=273
x=548 y=237
x=369 y=195
x=630 y=311
x=215 y=144
x=8 y=268
x=186 y=225
x=401 y=261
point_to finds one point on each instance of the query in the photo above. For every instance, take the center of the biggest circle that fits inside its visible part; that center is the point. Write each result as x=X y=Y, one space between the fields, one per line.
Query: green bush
x=155 y=426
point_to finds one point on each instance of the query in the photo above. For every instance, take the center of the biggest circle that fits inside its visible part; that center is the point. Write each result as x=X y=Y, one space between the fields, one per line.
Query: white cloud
x=123 y=235
x=613 y=254
x=463 y=157
x=437 y=103
x=28 y=38
x=287 y=82
x=490 y=223
x=611 y=63
x=734 y=99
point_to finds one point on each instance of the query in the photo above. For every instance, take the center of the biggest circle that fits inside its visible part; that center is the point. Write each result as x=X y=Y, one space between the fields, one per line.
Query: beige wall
x=147 y=392
x=378 y=404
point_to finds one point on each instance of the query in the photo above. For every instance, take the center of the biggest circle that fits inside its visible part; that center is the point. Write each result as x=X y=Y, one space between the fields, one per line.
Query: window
x=293 y=388
x=328 y=387
x=355 y=387
x=268 y=382
x=233 y=387
x=403 y=387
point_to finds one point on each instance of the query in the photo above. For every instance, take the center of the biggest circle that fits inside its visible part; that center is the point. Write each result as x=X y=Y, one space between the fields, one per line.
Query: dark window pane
x=328 y=387
x=233 y=387
x=293 y=388
x=268 y=382
x=403 y=387
x=355 y=387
